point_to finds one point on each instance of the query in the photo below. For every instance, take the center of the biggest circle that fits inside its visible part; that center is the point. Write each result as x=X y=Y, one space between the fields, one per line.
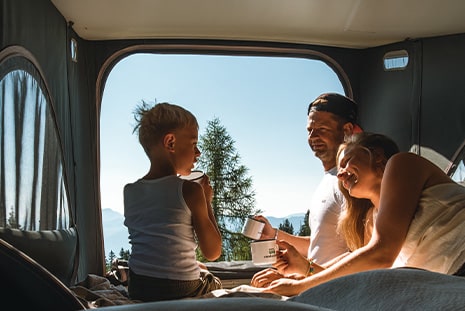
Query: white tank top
x=160 y=229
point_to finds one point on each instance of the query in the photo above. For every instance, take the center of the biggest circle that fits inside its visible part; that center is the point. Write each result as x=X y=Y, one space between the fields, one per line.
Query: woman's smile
x=348 y=179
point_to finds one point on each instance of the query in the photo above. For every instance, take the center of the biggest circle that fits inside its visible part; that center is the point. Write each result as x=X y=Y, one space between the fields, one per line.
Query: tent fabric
x=38 y=28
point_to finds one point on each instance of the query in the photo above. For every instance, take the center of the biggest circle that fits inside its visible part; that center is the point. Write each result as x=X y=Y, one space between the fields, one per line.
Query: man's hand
x=268 y=231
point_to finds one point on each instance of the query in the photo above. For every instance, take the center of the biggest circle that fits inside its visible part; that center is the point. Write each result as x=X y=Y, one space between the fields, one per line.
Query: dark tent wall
x=421 y=105
x=388 y=99
x=39 y=28
x=84 y=114
x=443 y=94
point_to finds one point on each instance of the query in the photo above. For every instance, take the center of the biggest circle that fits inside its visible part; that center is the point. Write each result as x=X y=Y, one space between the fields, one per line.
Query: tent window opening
x=73 y=50
x=33 y=192
x=395 y=60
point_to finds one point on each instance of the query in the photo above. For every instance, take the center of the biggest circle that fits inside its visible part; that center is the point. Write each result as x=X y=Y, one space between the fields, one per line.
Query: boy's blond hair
x=153 y=123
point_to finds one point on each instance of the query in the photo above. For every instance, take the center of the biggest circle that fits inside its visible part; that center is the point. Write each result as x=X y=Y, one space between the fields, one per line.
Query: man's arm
x=301 y=243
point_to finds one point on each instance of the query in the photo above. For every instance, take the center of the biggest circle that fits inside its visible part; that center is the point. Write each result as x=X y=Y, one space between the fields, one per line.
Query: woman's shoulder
x=409 y=158
x=404 y=160
x=405 y=155
x=412 y=158
x=414 y=165
x=409 y=165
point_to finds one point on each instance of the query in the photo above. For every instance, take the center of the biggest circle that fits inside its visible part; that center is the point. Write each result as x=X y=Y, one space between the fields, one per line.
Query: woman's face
x=355 y=171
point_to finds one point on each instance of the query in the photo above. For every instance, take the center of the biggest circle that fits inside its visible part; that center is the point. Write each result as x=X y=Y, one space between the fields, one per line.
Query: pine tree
x=286 y=226
x=305 y=227
x=12 y=223
x=233 y=196
x=111 y=256
x=124 y=254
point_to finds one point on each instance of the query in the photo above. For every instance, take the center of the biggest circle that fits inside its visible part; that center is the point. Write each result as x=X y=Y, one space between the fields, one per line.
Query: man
x=331 y=117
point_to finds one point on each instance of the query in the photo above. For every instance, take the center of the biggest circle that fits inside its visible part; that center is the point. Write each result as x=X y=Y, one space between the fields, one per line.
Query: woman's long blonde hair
x=353 y=219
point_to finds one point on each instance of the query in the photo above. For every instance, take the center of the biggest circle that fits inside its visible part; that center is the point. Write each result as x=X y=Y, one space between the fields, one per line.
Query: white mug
x=264 y=252
x=193 y=176
x=253 y=228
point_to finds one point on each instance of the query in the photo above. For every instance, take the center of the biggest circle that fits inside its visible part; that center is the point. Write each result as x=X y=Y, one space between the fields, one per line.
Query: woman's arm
x=403 y=181
x=334 y=260
x=290 y=264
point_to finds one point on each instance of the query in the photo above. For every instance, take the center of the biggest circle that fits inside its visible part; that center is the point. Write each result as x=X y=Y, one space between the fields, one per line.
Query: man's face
x=325 y=134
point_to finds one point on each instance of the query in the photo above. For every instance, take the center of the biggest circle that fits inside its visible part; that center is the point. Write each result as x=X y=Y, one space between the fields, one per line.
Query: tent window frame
x=33 y=186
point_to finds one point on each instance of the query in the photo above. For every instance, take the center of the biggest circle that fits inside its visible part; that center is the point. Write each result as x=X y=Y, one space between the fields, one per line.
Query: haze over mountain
x=116 y=234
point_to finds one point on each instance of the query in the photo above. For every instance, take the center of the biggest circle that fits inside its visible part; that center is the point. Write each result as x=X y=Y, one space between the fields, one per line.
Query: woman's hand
x=285 y=287
x=290 y=261
x=265 y=277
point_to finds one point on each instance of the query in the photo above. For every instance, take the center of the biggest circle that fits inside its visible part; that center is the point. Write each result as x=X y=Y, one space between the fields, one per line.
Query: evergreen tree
x=111 y=256
x=124 y=254
x=305 y=227
x=12 y=223
x=233 y=196
x=286 y=226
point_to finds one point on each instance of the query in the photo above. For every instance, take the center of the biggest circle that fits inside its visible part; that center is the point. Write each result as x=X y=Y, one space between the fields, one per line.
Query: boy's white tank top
x=160 y=229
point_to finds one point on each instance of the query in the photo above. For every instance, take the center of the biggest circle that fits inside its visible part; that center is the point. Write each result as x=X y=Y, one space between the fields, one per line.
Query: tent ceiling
x=344 y=23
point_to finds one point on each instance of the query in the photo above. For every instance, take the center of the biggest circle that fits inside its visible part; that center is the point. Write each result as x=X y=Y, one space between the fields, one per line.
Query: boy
x=167 y=216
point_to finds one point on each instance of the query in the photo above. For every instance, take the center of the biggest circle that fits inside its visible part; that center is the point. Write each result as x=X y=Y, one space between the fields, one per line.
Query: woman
x=403 y=211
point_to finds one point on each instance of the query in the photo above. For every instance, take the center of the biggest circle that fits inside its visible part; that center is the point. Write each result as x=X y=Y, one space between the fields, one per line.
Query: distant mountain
x=116 y=234
x=295 y=219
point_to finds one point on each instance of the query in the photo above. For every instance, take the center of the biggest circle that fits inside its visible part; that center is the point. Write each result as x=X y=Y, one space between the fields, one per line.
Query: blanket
x=97 y=291
x=389 y=289
x=383 y=289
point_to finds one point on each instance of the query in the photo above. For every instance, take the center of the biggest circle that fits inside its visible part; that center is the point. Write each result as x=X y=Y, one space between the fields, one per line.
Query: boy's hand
x=207 y=188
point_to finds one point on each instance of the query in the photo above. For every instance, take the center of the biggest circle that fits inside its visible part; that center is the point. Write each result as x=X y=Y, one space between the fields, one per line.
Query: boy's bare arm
x=206 y=229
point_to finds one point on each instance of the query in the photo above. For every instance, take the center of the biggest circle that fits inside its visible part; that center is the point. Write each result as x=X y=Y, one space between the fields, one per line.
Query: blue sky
x=261 y=101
